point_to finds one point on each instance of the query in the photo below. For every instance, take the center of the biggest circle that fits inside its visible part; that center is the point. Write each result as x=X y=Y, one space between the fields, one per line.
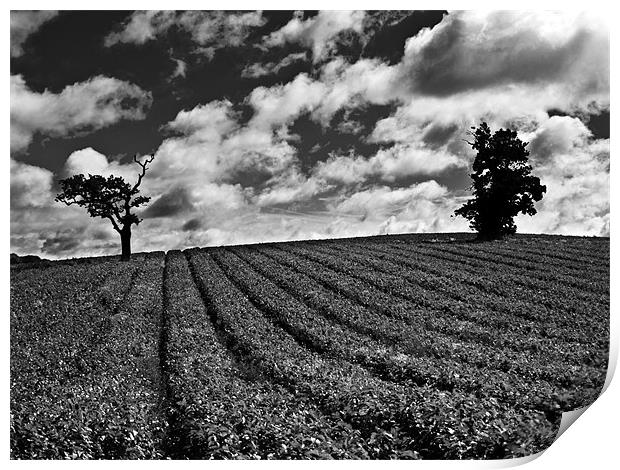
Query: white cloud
x=88 y=161
x=24 y=24
x=472 y=50
x=422 y=207
x=282 y=104
x=319 y=32
x=383 y=199
x=259 y=69
x=210 y=29
x=219 y=28
x=290 y=187
x=141 y=27
x=575 y=169
x=214 y=147
x=180 y=69
x=208 y=122
x=30 y=186
x=366 y=81
x=93 y=104
x=390 y=165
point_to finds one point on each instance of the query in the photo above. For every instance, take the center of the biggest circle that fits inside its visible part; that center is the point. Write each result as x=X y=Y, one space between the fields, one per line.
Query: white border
x=591 y=442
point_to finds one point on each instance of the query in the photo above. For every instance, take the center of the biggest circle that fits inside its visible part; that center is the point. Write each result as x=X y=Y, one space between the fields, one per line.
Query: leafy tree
x=110 y=198
x=502 y=183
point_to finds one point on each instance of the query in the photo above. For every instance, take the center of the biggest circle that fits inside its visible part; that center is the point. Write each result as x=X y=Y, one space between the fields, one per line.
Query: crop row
x=524 y=273
x=398 y=420
x=560 y=256
x=398 y=338
x=465 y=253
x=563 y=323
x=596 y=249
x=220 y=407
x=503 y=283
x=531 y=259
x=552 y=295
x=324 y=335
x=515 y=279
x=555 y=292
x=386 y=292
x=84 y=362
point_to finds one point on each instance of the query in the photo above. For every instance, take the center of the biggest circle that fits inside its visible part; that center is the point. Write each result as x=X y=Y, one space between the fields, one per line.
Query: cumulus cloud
x=477 y=65
x=30 y=186
x=290 y=187
x=575 y=169
x=384 y=199
x=282 y=104
x=426 y=132
x=90 y=105
x=142 y=26
x=88 y=161
x=390 y=165
x=347 y=86
x=339 y=86
x=212 y=30
x=213 y=147
x=24 y=24
x=422 y=207
x=318 y=33
x=471 y=50
x=219 y=28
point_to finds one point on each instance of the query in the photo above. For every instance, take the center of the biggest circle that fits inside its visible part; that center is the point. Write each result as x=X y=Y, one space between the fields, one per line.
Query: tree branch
x=114 y=224
x=144 y=167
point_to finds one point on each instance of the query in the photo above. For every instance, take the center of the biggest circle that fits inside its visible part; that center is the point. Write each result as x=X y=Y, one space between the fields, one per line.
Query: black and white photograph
x=291 y=234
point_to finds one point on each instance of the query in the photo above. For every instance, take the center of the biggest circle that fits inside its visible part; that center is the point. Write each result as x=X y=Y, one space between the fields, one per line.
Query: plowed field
x=410 y=346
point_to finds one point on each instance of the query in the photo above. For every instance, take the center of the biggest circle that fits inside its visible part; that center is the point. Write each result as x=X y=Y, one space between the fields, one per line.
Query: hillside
x=408 y=346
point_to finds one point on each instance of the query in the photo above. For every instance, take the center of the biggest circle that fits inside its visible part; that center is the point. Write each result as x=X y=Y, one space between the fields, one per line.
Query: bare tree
x=110 y=198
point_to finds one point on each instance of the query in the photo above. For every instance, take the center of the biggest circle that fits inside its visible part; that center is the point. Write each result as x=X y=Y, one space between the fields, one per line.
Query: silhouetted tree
x=502 y=183
x=110 y=198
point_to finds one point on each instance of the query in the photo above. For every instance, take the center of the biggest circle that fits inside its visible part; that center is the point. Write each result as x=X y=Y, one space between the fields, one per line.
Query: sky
x=272 y=126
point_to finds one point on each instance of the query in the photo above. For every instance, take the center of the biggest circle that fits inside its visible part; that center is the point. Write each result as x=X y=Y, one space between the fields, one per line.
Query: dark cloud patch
x=175 y=201
x=437 y=135
x=102 y=235
x=388 y=31
x=348 y=45
x=63 y=242
x=453 y=178
x=250 y=175
x=192 y=225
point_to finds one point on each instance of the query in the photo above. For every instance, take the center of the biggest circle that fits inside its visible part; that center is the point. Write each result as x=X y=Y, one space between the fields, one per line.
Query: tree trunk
x=126 y=243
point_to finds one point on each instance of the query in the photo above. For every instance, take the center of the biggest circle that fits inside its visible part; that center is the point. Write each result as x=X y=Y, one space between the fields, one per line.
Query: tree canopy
x=502 y=183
